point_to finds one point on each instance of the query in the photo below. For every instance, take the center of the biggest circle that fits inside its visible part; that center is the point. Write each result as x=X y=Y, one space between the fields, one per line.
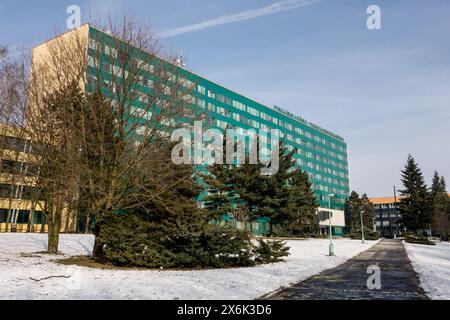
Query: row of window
x=226 y=100
x=16 y=144
x=339 y=192
x=251 y=122
x=392 y=214
x=386 y=206
x=16 y=192
x=240 y=106
x=307 y=164
x=16 y=167
x=325 y=198
x=343 y=174
x=22 y=217
x=255 y=124
x=141 y=113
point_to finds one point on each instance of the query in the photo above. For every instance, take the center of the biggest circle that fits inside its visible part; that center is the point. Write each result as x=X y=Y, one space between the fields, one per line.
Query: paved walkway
x=349 y=280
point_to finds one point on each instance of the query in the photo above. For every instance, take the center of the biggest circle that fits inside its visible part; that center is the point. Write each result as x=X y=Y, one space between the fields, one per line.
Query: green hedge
x=410 y=238
x=129 y=241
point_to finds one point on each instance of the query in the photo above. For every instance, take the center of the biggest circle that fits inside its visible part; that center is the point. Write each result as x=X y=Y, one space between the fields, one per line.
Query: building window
x=211 y=94
x=211 y=107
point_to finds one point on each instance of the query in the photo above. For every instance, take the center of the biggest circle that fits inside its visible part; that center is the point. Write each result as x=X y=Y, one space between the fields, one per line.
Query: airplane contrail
x=240 y=16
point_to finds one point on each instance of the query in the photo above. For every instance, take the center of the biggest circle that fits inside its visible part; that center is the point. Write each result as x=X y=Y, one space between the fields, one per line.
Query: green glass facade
x=322 y=154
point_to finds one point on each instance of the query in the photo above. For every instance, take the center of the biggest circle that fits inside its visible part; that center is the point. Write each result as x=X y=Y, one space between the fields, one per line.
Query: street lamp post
x=362 y=227
x=331 y=246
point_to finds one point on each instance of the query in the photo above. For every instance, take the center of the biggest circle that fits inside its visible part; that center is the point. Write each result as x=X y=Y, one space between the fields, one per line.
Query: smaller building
x=387 y=216
x=337 y=221
x=21 y=209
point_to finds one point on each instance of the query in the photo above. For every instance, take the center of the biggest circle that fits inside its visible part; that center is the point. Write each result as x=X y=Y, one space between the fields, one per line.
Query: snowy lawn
x=18 y=264
x=432 y=263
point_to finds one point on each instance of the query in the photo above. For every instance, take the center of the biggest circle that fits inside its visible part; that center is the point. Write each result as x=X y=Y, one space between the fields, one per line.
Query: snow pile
x=432 y=263
x=19 y=264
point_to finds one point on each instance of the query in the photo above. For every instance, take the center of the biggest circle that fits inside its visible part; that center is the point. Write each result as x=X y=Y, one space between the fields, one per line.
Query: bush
x=226 y=247
x=269 y=251
x=368 y=235
x=281 y=231
x=416 y=239
x=319 y=236
x=129 y=241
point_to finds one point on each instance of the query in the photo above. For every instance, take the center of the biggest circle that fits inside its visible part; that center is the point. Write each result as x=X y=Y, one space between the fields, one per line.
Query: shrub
x=269 y=251
x=368 y=235
x=416 y=239
x=130 y=241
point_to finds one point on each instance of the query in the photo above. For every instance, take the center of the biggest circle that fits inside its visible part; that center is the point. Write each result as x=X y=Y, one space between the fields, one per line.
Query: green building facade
x=320 y=153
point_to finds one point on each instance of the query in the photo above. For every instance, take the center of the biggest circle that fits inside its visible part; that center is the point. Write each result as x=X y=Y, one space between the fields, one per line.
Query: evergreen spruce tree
x=368 y=214
x=267 y=196
x=221 y=198
x=171 y=231
x=437 y=184
x=415 y=202
x=301 y=209
x=285 y=197
x=354 y=207
x=441 y=206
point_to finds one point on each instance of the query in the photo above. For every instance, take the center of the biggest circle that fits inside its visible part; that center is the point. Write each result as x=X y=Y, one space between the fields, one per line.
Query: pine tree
x=436 y=184
x=368 y=213
x=170 y=230
x=441 y=206
x=221 y=198
x=301 y=208
x=285 y=197
x=352 y=209
x=356 y=206
x=415 y=201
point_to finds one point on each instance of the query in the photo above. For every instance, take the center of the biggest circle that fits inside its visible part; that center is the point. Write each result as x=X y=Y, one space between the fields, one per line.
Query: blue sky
x=385 y=91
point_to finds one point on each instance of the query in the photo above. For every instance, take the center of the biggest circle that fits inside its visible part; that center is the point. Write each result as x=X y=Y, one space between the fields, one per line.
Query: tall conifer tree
x=415 y=202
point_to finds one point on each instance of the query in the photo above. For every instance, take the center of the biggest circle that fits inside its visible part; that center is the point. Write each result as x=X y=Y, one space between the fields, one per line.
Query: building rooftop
x=386 y=200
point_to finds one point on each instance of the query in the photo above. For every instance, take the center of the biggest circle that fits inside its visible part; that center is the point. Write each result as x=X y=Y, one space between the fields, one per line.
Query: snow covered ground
x=432 y=263
x=19 y=262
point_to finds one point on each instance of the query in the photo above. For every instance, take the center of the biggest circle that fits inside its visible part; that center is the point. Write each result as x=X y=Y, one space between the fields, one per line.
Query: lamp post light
x=331 y=246
x=362 y=227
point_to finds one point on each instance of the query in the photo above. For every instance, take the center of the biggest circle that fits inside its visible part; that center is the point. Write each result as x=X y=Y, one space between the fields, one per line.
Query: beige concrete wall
x=22 y=228
x=72 y=41
x=55 y=62
x=337 y=219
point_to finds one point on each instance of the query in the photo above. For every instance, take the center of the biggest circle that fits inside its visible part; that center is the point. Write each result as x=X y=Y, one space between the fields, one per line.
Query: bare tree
x=14 y=144
x=100 y=108
x=144 y=98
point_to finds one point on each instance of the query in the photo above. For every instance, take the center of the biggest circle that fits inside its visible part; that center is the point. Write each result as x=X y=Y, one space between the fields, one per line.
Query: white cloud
x=240 y=16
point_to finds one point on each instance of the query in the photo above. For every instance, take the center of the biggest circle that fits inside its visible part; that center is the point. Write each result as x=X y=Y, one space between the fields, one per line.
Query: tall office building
x=320 y=153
